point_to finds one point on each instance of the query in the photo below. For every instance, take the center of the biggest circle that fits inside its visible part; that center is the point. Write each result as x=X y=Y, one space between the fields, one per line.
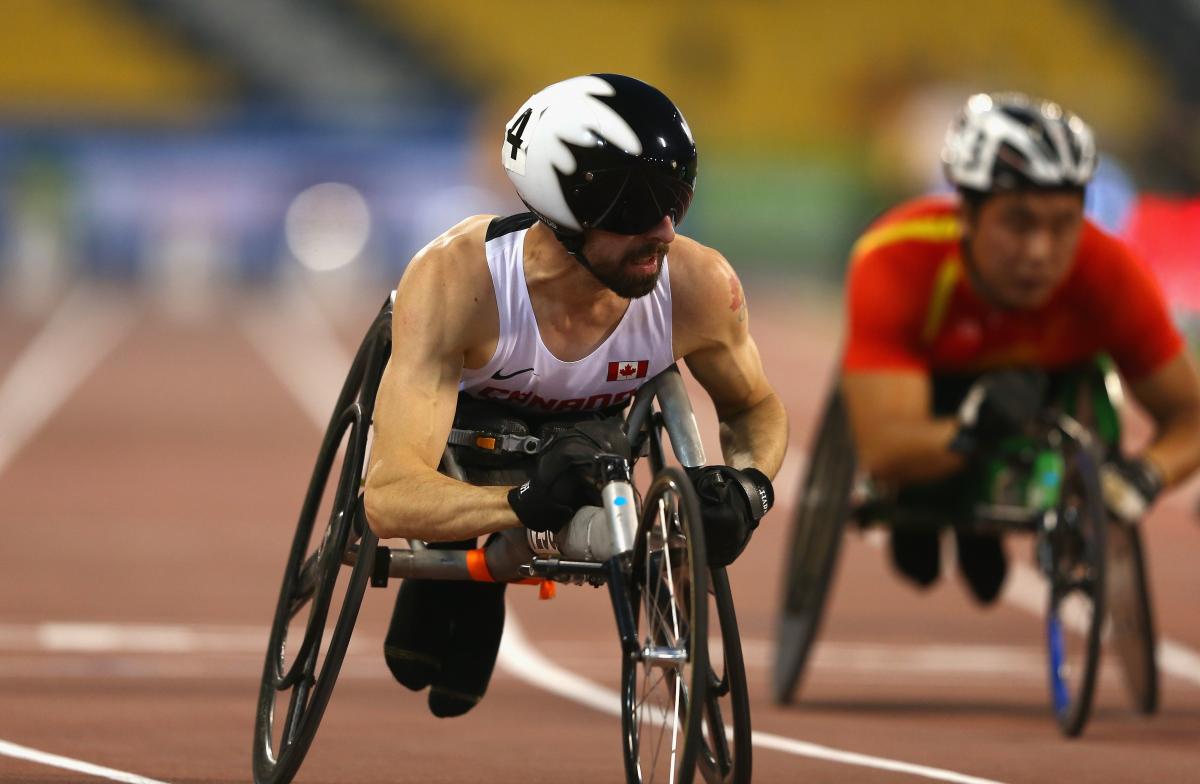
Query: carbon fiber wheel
x=812 y=552
x=726 y=750
x=319 y=600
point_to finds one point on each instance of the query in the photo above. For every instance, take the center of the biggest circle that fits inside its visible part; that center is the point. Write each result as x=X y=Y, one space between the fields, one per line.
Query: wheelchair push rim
x=814 y=546
x=1073 y=556
x=311 y=579
x=1131 y=616
x=726 y=748
x=663 y=683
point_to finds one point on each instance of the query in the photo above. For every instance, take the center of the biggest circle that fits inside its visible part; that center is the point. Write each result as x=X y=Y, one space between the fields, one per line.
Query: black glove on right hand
x=731 y=504
x=999 y=404
x=567 y=476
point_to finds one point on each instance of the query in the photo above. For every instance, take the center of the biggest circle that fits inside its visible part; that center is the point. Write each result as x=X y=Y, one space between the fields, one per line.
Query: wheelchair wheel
x=726 y=751
x=1074 y=557
x=1131 y=615
x=310 y=633
x=663 y=685
x=816 y=538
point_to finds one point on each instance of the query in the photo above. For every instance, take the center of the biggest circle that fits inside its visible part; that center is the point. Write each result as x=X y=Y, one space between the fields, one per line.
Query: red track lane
x=165 y=489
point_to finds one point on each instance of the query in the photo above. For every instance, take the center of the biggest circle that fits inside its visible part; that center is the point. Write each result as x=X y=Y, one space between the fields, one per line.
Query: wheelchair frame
x=826 y=505
x=309 y=580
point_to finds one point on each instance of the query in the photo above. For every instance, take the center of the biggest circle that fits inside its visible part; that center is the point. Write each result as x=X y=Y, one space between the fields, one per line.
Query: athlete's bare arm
x=711 y=326
x=897 y=439
x=1171 y=395
x=445 y=316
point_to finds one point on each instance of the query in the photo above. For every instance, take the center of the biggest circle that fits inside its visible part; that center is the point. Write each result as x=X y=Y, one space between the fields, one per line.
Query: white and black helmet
x=602 y=151
x=1002 y=141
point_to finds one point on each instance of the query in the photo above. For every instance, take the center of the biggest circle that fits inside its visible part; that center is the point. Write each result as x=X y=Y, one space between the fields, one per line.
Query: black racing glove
x=999 y=404
x=731 y=504
x=567 y=474
x=1129 y=487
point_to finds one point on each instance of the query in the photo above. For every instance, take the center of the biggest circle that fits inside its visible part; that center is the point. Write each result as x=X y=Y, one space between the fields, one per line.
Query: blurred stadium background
x=203 y=202
x=181 y=147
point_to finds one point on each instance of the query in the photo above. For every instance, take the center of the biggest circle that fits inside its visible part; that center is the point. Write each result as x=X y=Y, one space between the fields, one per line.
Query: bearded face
x=629 y=264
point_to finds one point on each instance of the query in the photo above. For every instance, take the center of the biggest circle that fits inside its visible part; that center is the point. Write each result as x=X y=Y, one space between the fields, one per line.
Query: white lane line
x=1026 y=589
x=521 y=660
x=300 y=347
x=162 y=650
x=287 y=355
x=79 y=334
x=66 y=763
x=892 y=663
x=84 y=637
x=84 y=329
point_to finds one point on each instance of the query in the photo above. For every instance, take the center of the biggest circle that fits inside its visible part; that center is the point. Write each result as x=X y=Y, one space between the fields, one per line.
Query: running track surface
x=151 y=470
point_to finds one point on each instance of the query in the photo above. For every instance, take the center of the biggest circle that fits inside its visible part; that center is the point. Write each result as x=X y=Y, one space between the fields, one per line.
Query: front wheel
x=664 y=680
x=1073 y=557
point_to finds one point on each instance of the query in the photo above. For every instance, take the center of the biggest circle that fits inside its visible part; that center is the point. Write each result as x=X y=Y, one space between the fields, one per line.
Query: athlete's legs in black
x=916 y=555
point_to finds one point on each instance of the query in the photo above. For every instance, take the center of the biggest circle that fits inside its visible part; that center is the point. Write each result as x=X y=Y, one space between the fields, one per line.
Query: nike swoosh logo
x=501 y=377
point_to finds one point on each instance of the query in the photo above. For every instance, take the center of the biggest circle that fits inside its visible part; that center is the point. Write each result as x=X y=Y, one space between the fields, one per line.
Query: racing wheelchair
x=1049 y=484
x=683 y=709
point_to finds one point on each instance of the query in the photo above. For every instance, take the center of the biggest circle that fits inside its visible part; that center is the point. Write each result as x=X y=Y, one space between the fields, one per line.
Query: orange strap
x=478 y=569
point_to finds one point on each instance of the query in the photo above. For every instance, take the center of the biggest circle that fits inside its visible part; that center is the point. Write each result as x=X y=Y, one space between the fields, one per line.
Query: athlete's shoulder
x=1098 y=246
x=1105 y=267
x=927 y=223
x=452 y=269
x=708 y=304
x=699 y=275
x=695 y=259
x=458 y=250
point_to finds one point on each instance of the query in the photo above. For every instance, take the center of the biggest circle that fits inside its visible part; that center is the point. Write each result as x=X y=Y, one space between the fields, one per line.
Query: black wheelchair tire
x=668 y=482
x=720 y=762
x=1072 y=710
x=1132 y=617
x=310 y=682
x=812 y=553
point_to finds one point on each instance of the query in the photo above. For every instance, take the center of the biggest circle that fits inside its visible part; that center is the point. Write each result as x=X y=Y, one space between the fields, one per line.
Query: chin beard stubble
x=628 y=284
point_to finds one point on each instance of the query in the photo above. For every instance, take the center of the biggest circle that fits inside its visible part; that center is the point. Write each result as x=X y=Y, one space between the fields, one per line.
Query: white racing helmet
x=1003 y=141
x=602 y=151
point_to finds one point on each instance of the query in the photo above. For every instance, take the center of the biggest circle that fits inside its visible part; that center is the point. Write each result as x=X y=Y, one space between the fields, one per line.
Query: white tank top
x=524 y=373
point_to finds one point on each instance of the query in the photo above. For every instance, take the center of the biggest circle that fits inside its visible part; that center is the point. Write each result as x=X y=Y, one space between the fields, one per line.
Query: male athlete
x=952 y=300
x=558 y=314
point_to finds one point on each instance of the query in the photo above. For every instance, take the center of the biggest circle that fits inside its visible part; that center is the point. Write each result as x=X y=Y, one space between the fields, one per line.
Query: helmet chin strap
x=573 y=243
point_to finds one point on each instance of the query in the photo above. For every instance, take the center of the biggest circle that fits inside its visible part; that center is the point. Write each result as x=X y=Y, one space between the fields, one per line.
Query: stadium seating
x=98 y=59
x=791 y=73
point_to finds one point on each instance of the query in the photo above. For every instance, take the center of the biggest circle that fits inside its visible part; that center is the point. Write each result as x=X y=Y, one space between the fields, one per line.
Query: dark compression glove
x=1129 y=487
x=999 y=404
x=731 y=504
x=566 y=476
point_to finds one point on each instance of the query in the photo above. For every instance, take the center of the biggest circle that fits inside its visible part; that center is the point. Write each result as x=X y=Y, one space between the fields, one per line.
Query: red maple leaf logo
x=628 y=370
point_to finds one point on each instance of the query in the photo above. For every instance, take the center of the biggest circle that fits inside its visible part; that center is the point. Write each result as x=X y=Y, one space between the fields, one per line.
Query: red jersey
x=911 y=306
